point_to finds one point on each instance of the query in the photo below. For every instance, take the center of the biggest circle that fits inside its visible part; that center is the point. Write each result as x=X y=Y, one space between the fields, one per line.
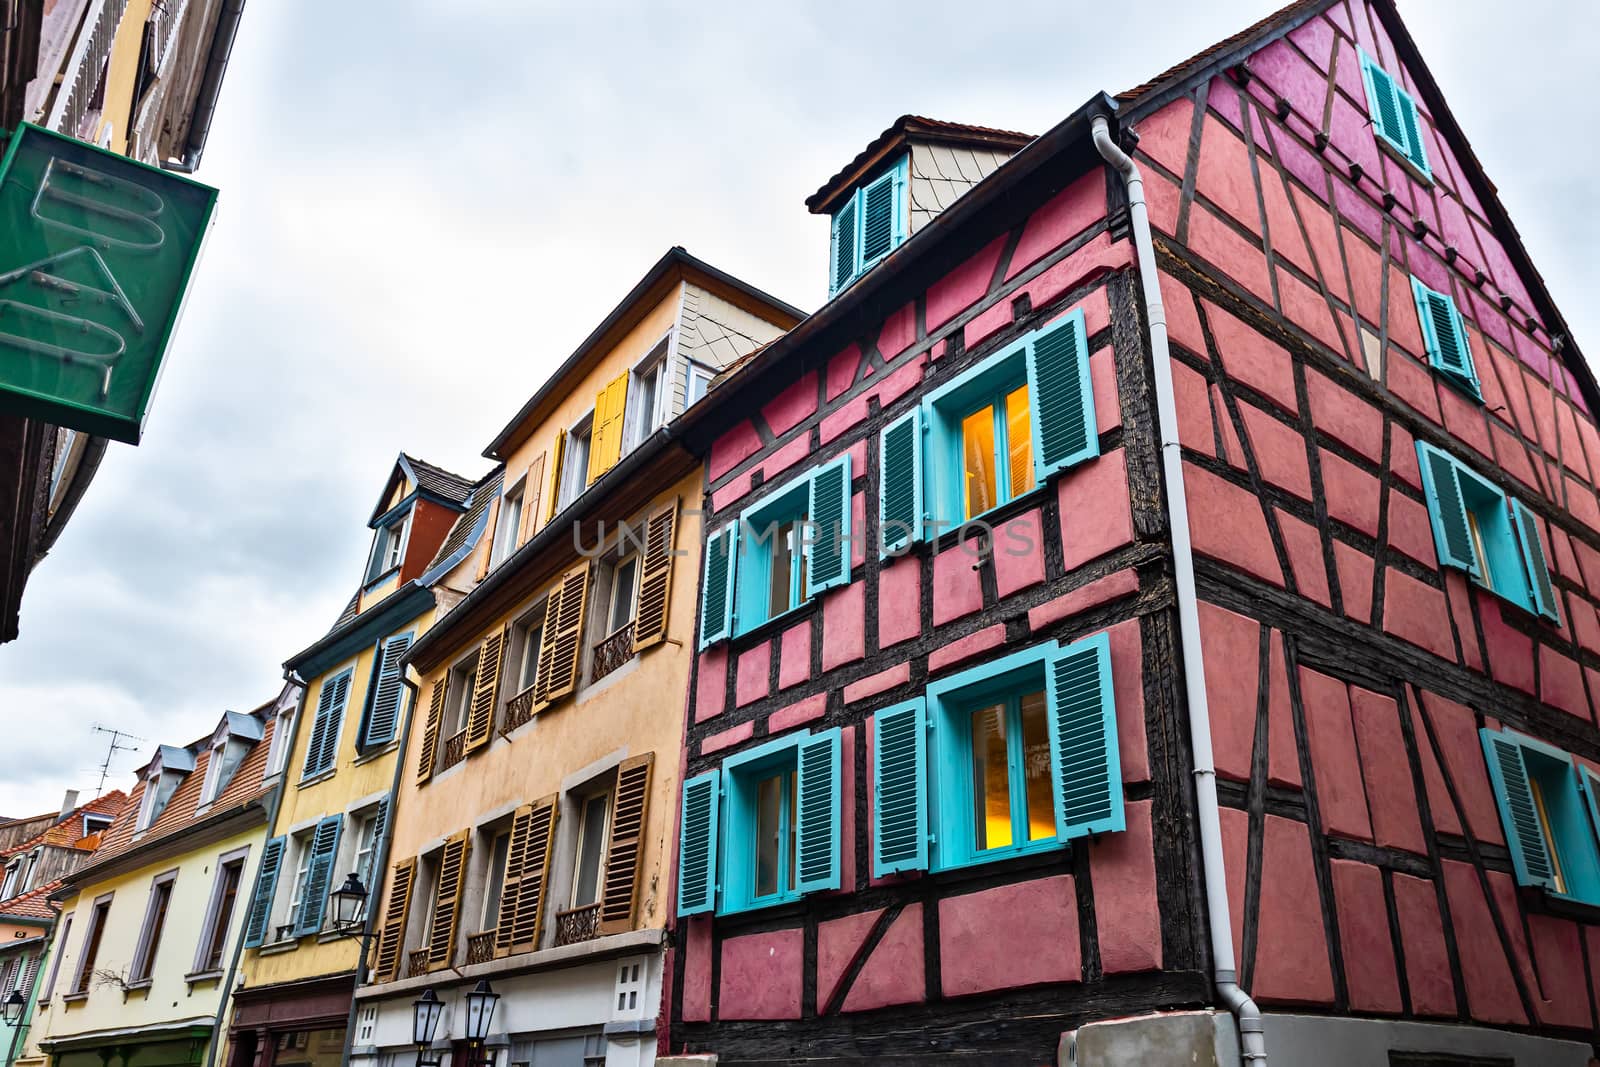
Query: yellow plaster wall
x=121 y=74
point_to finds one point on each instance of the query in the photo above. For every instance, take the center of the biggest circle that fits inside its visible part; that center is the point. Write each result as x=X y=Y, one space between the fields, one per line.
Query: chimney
x=68 y=802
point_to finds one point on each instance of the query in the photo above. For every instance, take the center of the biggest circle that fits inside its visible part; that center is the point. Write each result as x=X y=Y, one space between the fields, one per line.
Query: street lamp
x=14 y=1005
x=480 y=1011
x=425 y=1012
x=350 y=906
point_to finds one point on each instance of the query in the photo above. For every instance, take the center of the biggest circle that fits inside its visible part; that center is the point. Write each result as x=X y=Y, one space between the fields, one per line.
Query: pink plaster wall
x=762 y=975
x=1009 y=937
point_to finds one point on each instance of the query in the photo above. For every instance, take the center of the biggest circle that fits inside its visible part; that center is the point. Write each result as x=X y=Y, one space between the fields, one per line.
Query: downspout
x=380 y=864
x=1251 y=1037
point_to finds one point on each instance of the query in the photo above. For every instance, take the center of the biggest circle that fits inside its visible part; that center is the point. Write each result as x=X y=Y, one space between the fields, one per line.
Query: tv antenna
x=117 y=737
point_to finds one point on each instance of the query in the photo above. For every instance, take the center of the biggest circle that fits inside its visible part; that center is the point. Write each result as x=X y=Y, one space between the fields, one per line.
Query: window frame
x=1467 y=380
x=1576 y=841
x=335 y=721
x=505 y=532
x=751 y=562
x=575 y=470
x=89 y=953
x=898 y=177
x=379 y=568
x=60 y=954
x=697 y=373
x=638 y=423
x=458 y=702
x=604 y=794
x=495 y=875
x=214 y=931
x=612 y=626
x=303 y=843
x=151 y=929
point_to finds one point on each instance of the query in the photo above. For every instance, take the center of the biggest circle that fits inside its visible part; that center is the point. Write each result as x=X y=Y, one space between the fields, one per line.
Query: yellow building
x=293 y=997
x=533 y=819
x=143 y=953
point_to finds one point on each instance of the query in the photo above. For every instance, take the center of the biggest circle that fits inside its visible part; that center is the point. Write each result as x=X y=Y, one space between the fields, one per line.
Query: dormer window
x=869 y=225
x=161 y=780
x=95 y=824
x=388 y=547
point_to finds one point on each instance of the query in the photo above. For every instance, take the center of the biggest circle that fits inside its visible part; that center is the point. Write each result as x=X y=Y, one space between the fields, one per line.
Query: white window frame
x=13 y=876
x=495 y=837
x=282 y=731
x=612 y=625
x=639 y=422
x=529 y=631
x=241 y=893
x=575 y=475
x=458 y=702
x=55 y=963
x=142 y=970
x=505 y=533
x=693 y=371
x=302 y=842
x=583 y=800
x=364 y=843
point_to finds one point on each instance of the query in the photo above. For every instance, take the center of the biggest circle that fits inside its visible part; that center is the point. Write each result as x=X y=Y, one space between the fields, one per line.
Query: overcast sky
x=422 y=214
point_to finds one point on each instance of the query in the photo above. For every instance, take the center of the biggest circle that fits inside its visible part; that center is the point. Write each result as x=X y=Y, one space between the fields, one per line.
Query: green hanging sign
x=96 y=252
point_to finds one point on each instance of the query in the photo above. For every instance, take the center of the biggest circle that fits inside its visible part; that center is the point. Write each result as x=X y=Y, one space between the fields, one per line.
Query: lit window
x=996 y=452
x=1010 y=772
x=1547 y=809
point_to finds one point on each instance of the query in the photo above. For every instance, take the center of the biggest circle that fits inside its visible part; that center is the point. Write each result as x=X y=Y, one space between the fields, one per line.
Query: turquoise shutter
x=319 y=731
x=1445 y=336
x=844 y=246
x=319 y=874
x=878 y=231
x=1061 y=397
x=827 y=549
x=817 y=830
x=1534 y=562
x=697 y=844
x=1082 y=720
x=1451 y=535
x=1416 y=151
x=717 y=586
x=380 y=826
x=255 y=927
x=1519 y=816
x=900 y=788
x=1383 y=104
x=325 y=731
x=388 y=691
x=1589 y=785
x=900 y=482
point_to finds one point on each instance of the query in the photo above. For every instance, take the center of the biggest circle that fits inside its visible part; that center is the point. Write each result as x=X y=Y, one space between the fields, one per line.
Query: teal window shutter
x=1445 y=336
x=1082 y=721
x=1416 y=151
x=319 y=875
x=1519 y=816
x=878 y=218
x=325 y=729
x=817 y=829
x=1383 y=104
x=1061 y=396
x=900 y=507
x=1451 y=535
x=845 y=239
x=255 y=927
x=827 y=548
x=900 y=788
x=717 y=585
x=387 y=691
x=1533 y=559
x=1589 y=785
x=697 y=844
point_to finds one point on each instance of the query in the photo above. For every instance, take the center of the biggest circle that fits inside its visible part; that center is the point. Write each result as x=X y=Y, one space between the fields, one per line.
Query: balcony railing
x=455 y=750
x=613 y=652
x=519 y=709
x=480 y=947
x=417 y=962
x=578 y=924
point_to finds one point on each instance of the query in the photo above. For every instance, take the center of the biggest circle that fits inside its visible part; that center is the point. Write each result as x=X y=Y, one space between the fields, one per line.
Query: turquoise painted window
x=697 y=843
x=386 y=692
x=1445 y=337
x=324 y=742
x=1009 y=758
x=1476 y=528
x=1394 y=115
x=1549 y=814
x=260 y=914
x=869 y=225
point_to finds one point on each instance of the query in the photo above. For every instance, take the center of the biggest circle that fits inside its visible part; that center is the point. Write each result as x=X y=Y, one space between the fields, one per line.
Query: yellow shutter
x=563 y=642
x=532 y=497
x=629 y=805
x=430 y=733
x=655 y=578
x=523 y=911
x=605 y=444
x=391 y=936
x=447 y=903
x=485 y=691
x=558 y=454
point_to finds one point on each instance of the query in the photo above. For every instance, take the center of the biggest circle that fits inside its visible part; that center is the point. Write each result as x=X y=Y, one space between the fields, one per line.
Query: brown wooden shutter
x=558 y=453
x=485 y=691
x=630 y=803
x=447 y=903
x=527 y=905
x=532 y=497
x=428 y=753
x=655 y=581
x=564 y=641
x=511 y=885
x=547 y=638
x=392 y=934
x=486 y=542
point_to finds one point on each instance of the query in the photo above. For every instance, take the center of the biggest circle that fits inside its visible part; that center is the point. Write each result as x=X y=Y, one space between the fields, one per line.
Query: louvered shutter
x=1061 y=397
x=486 y=554
x=697 y=844
x=1589 y=786
x=522 y=908
x=900 y=505
x=1416 y=151
x=428 y=752
x=392 y=935
x=561 y=644
x=1519 y=814
x=547 y=637
x=717 y=585
x=629 y=806
x=558 y=456
x=844 y=246
x=1451 y=536
x=320 y=725
x=389 y=691
x=817 y=828
x=319 y=875
x=827 y=550
x=605 y=442
x=1534 y=562
x=447 y=901
x=1082 y=720
x=1384 y=104
x=30 y=971
x=1444 y=335
x=255 y=927
x=900 y=788
x=380 y=826
x=532 y=498
x=485 y=691
x=655 y=580
x=878 y=219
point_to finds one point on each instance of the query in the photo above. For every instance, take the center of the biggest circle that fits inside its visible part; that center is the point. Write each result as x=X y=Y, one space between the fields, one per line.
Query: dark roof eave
x=142 y=852
x=404 y=603
x=905 y=130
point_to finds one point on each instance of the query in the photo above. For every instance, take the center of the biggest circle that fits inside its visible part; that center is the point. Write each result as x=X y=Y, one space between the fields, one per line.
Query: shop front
x=291 y=1024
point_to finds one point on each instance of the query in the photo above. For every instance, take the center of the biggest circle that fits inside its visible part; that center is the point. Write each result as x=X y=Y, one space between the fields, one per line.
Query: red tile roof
x=903 y=129
x=68 y=832
x=34 y=904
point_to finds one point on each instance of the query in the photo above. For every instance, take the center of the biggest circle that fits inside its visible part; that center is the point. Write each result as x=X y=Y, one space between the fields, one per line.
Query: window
x=775 y=826
x=386 y=691
x=91 y=944
x=388 y=547
x=527 y=635
x=698 y=382
x=226 y=755
x=1445 y=337
x=647 y=396
x=507 y=525
x=458 y=693
x=94 y=824
x=323 y=745
x=314 y=874
x=55 y=964
x=784 y=550
x=596 y=810
x=575 y=461
x=283 y=730
x=259 y=920
x=996 y=452
x=869 y=225
x=1549 y=810
x=219 y=912
x=161 y=780
x=1394 y=116
x=13 y=877
x=1494 y=538
x=495 y=885
x=366 y=849
x=624 y=589
x=155 y=921
x=302 y=874
x=1008 y=758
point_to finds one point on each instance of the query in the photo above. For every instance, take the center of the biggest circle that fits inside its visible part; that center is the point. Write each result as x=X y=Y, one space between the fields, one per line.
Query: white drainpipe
x=1251 y=1038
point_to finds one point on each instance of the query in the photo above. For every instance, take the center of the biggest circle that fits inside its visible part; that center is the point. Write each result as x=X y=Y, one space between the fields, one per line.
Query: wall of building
x=941 y=173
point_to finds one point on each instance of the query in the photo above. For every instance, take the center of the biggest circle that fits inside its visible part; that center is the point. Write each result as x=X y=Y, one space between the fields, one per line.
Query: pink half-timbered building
x=1148 y=612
